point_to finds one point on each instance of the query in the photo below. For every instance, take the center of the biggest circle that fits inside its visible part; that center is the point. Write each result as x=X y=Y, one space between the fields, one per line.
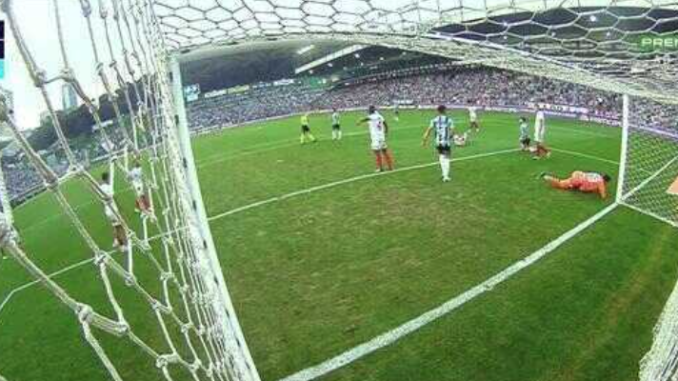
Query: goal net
x=649 y=184
x=110 y=54
x=120 y=59
x=649 y=168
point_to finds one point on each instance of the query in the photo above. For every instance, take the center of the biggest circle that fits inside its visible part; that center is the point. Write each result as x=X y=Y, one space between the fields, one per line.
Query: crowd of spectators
x=483 y=87
x=480 y=87
x=22 y=180
x=234 y=109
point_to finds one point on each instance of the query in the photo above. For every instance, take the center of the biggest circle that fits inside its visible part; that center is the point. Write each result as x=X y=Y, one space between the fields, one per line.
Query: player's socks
x=302 y=139
x=441 y=160
x=389 y=160
x=380 y=165
x=339 y=135
x=445 y=162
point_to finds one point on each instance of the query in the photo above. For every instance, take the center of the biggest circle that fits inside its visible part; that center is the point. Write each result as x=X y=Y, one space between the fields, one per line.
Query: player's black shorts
x=305 y=128
x=525 y=141
x=444 y=149
x=336 y=127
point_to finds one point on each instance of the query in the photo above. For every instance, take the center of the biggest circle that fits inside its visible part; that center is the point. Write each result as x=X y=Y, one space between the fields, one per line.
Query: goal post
x=624 y=147
x=193 y=329
x=128 y=48
x=241 y=356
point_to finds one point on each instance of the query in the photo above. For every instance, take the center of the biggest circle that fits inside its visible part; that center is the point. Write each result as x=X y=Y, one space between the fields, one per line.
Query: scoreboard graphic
x=2 y=49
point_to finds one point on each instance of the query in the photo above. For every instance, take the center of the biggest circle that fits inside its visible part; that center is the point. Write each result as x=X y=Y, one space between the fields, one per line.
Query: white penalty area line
x=352 y=180
x=271 y=200
x=446 y=308
x=262 y=203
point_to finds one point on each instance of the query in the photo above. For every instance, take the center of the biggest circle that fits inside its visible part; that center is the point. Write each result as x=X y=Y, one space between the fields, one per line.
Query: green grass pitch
x=317 y=273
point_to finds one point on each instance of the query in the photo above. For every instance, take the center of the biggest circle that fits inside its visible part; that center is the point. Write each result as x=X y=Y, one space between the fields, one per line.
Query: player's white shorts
x=138 y=188
x=111 y=215
x=539 y=135
x=378 y=144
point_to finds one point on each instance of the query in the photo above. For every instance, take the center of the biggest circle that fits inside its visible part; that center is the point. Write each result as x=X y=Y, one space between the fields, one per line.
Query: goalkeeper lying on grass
x=587 y=182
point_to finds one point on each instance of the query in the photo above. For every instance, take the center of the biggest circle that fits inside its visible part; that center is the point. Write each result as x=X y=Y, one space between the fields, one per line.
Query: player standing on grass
x=136 y=177
x=587 y=182
x=336 y=125
x=396 y=111
x=540 y=134
x=378 y=132
x=111 y=211
x=473 y=117
x=524 y=134
x=306 y=131
x=443 y=126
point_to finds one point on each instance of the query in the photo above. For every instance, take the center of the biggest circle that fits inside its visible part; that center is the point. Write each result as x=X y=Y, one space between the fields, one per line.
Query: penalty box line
x=444 y=309
x=354 y=179
x=258 y=204
x=74 y=266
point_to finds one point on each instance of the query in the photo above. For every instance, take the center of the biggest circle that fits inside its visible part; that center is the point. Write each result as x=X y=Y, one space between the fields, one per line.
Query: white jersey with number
x=110 y=211
x=136 y=177
x=377 y=131
x=540 y=127
x=472 y=115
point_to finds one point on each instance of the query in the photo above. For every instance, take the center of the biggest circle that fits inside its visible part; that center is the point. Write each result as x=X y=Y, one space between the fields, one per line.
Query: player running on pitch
x=540 y=135
x=111 y=211
x=136 y=177
x=396 y=111
x=524 y=138
x=378 y=132
x=587 y=182
x=306 y=131
x=336 y=125
x=443 y=126
x=473 y=117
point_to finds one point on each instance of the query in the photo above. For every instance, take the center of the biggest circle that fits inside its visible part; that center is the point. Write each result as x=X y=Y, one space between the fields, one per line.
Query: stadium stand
x=414 y=86
x=452 y=86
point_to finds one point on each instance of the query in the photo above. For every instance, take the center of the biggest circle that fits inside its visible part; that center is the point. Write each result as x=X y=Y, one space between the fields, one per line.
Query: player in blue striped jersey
x=442 y=125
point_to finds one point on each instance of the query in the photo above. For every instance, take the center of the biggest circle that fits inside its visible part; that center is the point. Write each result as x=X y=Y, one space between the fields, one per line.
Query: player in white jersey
x=540 y=135
x=473 y=117
x=136 y=178
x=378 y=132
x=111 y=211
x=443 y=127
x=336 y=125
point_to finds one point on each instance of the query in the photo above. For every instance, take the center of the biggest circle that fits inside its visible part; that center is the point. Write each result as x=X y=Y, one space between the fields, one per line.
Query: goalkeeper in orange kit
x=587 y=182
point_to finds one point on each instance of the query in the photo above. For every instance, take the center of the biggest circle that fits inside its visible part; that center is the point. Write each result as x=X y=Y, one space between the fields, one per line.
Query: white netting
x=651 y=160
x=129 y=42
x=184 y=290
x=650 y=168
x=590 y=42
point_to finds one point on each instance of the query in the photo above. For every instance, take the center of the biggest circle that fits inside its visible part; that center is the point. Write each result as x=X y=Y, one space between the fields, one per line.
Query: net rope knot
x=85 y=313
x=164 y=360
